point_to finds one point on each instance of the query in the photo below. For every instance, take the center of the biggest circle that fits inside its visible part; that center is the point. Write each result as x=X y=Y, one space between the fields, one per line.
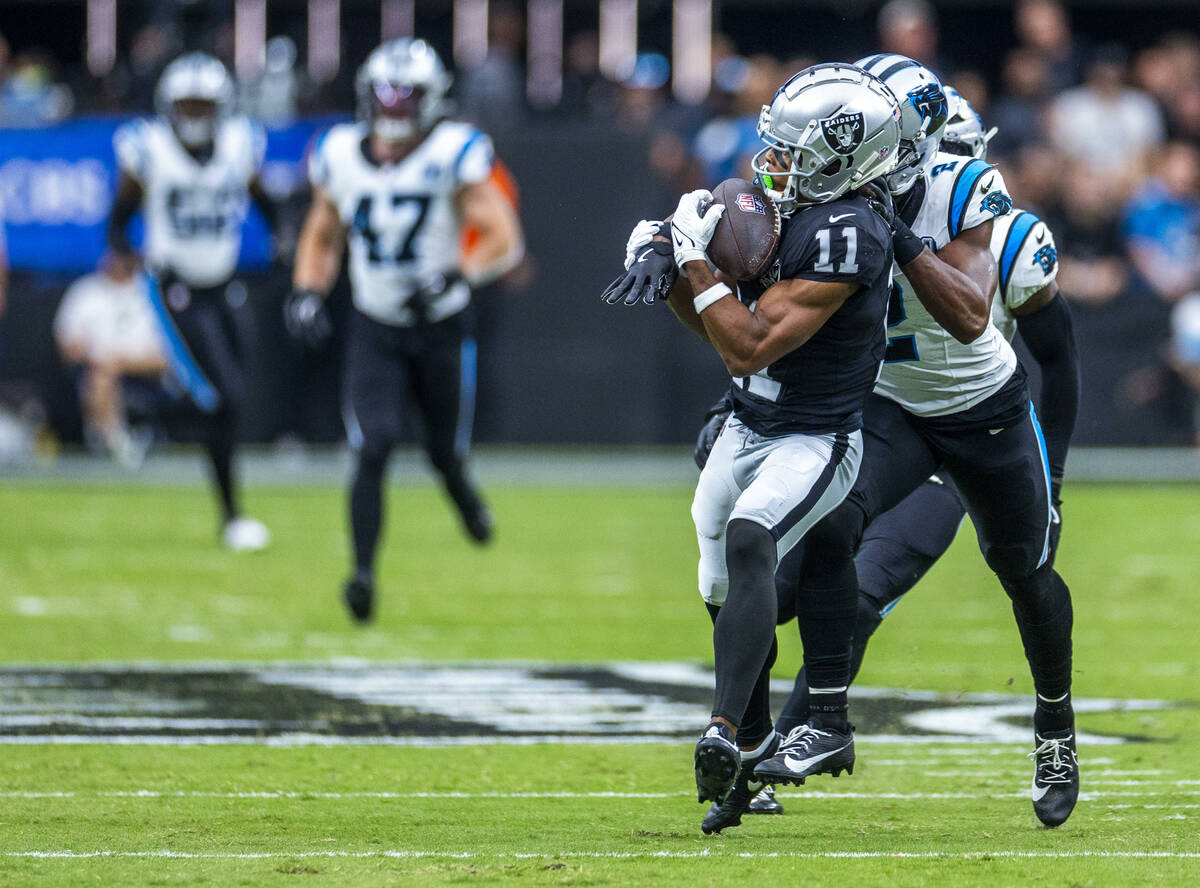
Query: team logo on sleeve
x=751 y=203
x=997 y=203
x=843 y=132
x=1047 y=257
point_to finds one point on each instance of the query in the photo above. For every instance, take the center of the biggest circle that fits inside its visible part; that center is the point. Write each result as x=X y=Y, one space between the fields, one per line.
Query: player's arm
x=127 y=201
x=318 y=260
x=501 y=246
x=1044 y=322
x=785 y=317
x=262 y=200
x=956 y=283
x=319 y=247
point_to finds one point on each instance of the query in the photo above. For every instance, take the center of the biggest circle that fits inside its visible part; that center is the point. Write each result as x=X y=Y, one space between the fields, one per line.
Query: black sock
x=1053 y=715
x=745 y=626
x=366 y=510
x=827 y=710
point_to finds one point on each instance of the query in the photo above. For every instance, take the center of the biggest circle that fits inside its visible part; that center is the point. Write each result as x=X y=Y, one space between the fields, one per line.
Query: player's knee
x=445 y=461
x=868 y=618
x=836 y=536
x=373 y=453
x=749 y=546
x=1013 y=565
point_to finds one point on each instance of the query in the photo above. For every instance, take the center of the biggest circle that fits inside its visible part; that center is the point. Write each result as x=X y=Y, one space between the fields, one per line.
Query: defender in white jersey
x=952 y=398
x=193 y=172
x=401 y=185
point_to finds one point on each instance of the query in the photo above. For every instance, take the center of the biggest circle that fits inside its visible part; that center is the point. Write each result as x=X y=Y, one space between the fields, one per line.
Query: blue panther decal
x=930 y=102
x=1047 y=257
x=997 y=203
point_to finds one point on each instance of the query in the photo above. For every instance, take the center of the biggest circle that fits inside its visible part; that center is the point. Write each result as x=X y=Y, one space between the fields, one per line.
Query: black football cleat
x=807 y=751
x=359 y=595
x=479 y=526
x=718 y=762
x=745 y=790
x=765 y=802
x=1055 y=776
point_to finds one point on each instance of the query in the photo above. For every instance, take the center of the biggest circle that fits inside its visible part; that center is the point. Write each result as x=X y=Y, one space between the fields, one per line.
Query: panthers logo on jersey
x=1047 y=257
x=998 y=203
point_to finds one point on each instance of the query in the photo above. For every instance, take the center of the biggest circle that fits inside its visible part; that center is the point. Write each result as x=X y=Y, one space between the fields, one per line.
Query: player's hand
x=306 y=318
x=649 y=279
x=1055 y=528
x=880 y=198
x=429 y=289
x=640 y=237
x=714 y=422
x=693 y=225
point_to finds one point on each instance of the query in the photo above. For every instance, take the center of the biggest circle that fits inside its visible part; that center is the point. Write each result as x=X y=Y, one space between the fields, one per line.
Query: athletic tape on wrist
x=711 y=295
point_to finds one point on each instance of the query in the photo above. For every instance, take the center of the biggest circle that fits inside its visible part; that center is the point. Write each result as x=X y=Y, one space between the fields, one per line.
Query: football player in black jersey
x=804 y=346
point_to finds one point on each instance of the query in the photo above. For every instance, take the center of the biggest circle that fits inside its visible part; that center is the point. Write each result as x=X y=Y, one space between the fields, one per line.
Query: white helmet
x=835 y=126
x=923 y=113
x=401 y=89
x=964 y=127
x=194 y=78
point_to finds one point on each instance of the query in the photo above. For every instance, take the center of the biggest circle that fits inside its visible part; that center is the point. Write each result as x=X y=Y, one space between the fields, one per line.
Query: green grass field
x=102 y=573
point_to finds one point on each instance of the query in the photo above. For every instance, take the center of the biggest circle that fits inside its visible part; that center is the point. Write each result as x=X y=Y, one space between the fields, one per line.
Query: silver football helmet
x=923 y=113
x=833 y=127
x=964 y=127
x=194 y=93
x=401 y=89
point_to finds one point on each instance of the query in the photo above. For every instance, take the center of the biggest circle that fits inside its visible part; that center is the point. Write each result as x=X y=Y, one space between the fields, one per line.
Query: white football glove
x=642 y=234
x=693 y=225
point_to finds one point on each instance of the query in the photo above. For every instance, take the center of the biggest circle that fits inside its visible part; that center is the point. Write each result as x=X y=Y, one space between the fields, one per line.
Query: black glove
x=879 y=197
x=714 y=422
x=649 y=279
x=1055 y=523
x=306 y=318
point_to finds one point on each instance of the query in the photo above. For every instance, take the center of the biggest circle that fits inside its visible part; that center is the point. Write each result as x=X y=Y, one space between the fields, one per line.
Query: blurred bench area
x=604 y=112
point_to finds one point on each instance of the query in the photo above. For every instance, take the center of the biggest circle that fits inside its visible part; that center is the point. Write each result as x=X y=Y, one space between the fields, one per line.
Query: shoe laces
x=801 y=736
x=1055 y=759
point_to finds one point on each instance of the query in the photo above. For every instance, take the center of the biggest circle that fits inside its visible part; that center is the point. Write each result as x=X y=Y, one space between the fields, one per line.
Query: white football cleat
x=246 y=535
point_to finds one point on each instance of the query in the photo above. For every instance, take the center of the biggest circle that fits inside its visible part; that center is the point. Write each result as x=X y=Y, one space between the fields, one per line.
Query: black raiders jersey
x=820 y=387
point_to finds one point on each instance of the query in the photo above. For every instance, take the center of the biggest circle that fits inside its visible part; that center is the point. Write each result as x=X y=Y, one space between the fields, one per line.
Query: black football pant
x=995 y=454
x=203 y=350
x=430 y=366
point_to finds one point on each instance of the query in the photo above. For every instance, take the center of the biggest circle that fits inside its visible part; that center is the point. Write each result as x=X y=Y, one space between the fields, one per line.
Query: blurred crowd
x=1102 y=142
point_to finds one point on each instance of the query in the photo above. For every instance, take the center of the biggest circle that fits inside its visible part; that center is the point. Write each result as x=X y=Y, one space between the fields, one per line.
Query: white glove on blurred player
x=642 y=234
x=693 y=225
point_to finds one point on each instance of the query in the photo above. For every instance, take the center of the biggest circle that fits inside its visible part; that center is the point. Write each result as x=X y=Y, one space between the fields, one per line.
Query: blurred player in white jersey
x=401 y=184
x=192 y=171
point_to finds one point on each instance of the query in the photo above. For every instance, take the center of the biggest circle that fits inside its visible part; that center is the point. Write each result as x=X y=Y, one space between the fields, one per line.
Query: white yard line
x=605 y=855
x=1089 y=795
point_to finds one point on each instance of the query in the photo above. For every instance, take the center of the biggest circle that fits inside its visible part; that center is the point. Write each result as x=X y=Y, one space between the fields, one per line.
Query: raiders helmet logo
x=843 y=132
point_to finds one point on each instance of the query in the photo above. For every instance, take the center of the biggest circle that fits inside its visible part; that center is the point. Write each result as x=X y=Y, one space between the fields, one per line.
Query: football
x=747 y=236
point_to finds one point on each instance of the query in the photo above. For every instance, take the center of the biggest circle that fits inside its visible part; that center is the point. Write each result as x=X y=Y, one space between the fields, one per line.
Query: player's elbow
x=971 y=329
x=739 y=365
